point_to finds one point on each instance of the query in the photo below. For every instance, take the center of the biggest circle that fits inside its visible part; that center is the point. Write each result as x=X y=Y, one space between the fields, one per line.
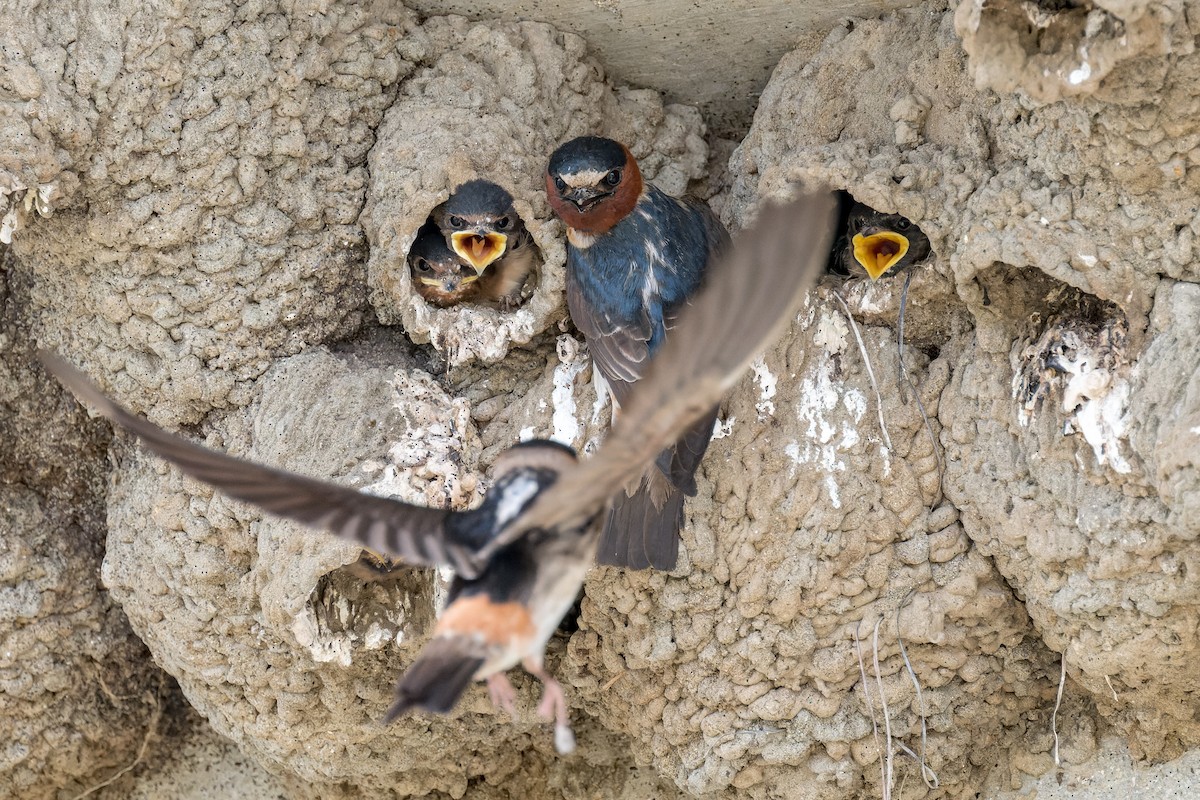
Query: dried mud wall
x=210 y=209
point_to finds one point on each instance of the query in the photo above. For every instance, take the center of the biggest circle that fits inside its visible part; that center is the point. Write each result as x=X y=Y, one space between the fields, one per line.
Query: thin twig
x=862 y=671
x=151 y=730
x=1062 y=681
x=887 y=719
x=901 y=371
x=927 y=774
x=887 y=440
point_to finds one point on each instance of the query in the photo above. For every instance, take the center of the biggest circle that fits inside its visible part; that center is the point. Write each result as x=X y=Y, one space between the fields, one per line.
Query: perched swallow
x=520 y=557
x=439 y=276
x=876 y=243
x=634 y=257
x=481 y=225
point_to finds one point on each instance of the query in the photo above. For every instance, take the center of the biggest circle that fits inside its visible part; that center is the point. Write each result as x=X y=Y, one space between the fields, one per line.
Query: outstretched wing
x=747 y=298
x=415 y=534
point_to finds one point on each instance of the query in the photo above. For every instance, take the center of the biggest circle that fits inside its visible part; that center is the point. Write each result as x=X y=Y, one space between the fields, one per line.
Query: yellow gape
x=478 y=250
x=879 y=252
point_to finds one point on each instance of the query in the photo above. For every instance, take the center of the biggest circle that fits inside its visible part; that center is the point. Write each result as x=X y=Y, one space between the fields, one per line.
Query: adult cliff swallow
x=438 y=274
x=634 y=257
x=481 y=225
x=521 y=556
x=876 y=243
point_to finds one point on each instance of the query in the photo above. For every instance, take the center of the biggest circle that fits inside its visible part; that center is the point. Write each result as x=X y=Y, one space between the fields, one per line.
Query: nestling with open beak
x=521 y=556
x=482 y=227
x=878 y=243
x=634 y=257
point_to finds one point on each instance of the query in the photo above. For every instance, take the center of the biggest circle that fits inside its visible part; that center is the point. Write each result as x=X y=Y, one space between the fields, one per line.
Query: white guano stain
x=566 y=426
x=824 y=440
x=767 y=384
x=525 y=434
x=722 y=428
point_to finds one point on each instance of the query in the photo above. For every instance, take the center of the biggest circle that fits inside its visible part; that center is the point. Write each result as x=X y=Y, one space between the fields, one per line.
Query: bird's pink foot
x=502 y=693
x=554 y=708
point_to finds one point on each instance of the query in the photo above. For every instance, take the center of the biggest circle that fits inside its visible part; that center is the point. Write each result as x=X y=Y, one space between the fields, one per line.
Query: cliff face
x=212 y=207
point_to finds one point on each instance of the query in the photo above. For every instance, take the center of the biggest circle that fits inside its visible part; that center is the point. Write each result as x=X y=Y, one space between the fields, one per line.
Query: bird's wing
x=415 y=534
x=619 y=350
x=748 y=297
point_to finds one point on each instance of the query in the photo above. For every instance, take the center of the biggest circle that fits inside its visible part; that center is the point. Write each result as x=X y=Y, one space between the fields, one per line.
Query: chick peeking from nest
x=481 y=228
x=875 y=244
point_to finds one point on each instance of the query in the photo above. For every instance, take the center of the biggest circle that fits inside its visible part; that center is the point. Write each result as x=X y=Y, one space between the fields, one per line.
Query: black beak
x=585 y=197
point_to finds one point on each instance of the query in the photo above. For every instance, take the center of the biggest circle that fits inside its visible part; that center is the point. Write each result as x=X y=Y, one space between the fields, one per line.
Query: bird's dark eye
x=457 y=222
x=422 y=265
x=903 y=224
x=560 y=184
x=502 y=223
x=613 y=177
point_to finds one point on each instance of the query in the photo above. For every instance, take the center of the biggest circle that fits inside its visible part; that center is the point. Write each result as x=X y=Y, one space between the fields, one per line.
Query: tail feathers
x=437 y=678
x=641 y=533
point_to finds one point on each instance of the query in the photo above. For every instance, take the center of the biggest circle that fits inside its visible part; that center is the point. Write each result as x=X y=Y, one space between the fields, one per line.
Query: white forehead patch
x=584 y=178
x=516 y=495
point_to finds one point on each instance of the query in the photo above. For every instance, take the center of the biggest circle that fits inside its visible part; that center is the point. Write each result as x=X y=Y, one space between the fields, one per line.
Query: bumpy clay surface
x=234 y=192
x=212 y=166
x=78 y=693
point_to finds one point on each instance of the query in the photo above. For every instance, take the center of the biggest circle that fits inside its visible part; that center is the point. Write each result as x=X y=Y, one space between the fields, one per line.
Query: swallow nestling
x=521 y=556
x=438 y=275
x=634 y=257
x=481 y=225
x=876 y=243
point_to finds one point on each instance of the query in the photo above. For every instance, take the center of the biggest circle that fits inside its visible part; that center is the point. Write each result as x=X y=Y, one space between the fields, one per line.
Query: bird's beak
x=584 y=197
x=478 y=249
x=879 y=252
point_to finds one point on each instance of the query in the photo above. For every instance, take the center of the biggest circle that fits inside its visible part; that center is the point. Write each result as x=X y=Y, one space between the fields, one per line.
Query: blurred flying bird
x=521 y=556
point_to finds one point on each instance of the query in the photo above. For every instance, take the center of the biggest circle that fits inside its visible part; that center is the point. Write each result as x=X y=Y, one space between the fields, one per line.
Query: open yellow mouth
x=879 y=252
x=478 y=250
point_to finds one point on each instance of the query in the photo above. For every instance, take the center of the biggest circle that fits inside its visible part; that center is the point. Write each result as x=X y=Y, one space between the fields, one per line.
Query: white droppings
x=856 y=403
x=1196 y=430
x=571 y=363
x=832 y=486
x=1103 y=422
x=869 y=303
x=1080 y=74
x=376 y=636
x=825 y=440
x=831 y=333
x=323 y=649
x=525 y=434
x=722 y=428
x=541 y=404
x=766 y=383
x=1094 y=398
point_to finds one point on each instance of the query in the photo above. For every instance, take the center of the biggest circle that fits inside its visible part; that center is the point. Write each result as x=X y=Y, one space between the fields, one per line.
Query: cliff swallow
x=481 y=225
x=439 y=276
x=634 y=257
x=876 y=243
x=521 y=556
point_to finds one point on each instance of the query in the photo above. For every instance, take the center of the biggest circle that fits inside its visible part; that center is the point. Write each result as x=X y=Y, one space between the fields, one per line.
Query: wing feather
x=415 y=534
